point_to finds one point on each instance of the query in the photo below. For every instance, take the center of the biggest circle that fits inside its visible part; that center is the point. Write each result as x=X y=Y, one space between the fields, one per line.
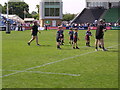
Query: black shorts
x=34 y=34
x=75 y=40
x=71 y=37
x=58 y=39
x=87 y=37
x=99 y=37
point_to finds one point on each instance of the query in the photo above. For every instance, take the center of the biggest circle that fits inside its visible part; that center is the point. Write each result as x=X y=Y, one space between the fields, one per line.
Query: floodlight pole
x=8 y=24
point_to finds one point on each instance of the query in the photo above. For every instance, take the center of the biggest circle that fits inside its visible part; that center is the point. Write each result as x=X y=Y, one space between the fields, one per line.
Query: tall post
x=24 y=13
x=8 y=26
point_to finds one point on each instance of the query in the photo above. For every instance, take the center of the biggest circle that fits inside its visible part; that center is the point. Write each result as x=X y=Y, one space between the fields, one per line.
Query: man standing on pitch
x=34 y=32
x=101 y=28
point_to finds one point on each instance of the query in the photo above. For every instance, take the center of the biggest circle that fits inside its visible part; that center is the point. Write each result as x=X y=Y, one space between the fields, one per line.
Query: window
x=88 y=4
x=56 y=3
x=47 y=11
x=91 y=4
x=99 y=4
x=51 y=3
x=95 y=5
x=46 y=3
x=57 y=11
x=52 y=12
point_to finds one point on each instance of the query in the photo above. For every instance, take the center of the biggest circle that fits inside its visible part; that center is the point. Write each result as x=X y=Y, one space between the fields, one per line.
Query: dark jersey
x=61 y=31
x=71 y=33
x=99 y=30
x=75 y=35
x=75 y=38
x=88 y=33
x=35 y=29
x=58 y=35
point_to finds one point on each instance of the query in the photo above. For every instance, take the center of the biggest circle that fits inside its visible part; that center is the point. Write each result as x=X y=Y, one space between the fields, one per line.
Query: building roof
x=102 y=0
x=50 y=0
x=29 y=19
x=13 y=17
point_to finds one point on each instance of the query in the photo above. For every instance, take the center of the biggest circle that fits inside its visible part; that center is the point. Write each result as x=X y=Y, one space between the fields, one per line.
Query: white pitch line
x=52 y=63
x=46 y=64
x=113 y=46
x=66 y=74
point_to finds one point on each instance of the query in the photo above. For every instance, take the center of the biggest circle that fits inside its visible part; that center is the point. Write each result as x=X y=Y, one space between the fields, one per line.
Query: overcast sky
x=69 y=6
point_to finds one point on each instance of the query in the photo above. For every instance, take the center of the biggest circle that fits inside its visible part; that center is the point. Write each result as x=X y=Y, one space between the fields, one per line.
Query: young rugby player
x=100 y=35
x=58 y=37
x=71 y=32
x=75 y=39
x=34 y=32
x=87 y=37
x=62 y=36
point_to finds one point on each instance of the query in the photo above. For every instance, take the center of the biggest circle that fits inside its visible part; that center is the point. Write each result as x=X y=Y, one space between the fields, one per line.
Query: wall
x=42 y=22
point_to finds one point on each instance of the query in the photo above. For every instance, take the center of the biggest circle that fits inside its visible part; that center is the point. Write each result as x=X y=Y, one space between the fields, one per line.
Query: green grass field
x=46 y=67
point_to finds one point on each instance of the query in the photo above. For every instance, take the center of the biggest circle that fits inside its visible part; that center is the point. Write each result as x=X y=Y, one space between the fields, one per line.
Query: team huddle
x=73 y=36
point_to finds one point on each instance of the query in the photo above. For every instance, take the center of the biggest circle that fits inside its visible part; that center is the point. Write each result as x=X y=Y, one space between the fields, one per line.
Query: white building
x=51 y=12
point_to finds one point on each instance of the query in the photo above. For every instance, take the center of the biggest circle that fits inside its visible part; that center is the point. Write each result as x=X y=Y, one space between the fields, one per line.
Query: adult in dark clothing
x=21 y=27
x=46 y=27
x=18 y=27
x=14 y=26
x=34 y=32
x=101 y=28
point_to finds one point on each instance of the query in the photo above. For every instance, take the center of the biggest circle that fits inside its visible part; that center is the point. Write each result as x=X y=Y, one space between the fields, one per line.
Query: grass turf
x=96 y=69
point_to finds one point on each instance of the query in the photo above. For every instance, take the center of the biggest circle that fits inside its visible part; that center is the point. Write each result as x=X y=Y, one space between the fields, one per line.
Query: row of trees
x=21 y=9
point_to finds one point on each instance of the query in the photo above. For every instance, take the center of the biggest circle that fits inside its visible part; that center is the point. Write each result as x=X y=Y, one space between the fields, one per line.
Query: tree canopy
x=68 y=17
x=18 y=8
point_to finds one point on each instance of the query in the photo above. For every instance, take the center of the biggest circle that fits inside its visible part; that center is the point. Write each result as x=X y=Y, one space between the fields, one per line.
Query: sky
x=69 y=6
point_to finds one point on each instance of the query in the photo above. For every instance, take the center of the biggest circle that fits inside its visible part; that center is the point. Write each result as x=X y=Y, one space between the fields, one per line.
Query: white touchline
x=52 y=62
x=67 y=74
x=113 y=46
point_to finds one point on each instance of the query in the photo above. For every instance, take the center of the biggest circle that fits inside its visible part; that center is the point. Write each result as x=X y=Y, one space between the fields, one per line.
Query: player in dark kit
x=100 y=35
x=58 y=37
x=87 y=37
x=62 y=35
x=75 y=39
x=71 y=32
x=34 y=32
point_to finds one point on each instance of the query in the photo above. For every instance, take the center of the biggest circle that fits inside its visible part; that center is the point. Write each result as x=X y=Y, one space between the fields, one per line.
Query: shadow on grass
x=66 y=49
x=75 y=49
x=45 y=45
